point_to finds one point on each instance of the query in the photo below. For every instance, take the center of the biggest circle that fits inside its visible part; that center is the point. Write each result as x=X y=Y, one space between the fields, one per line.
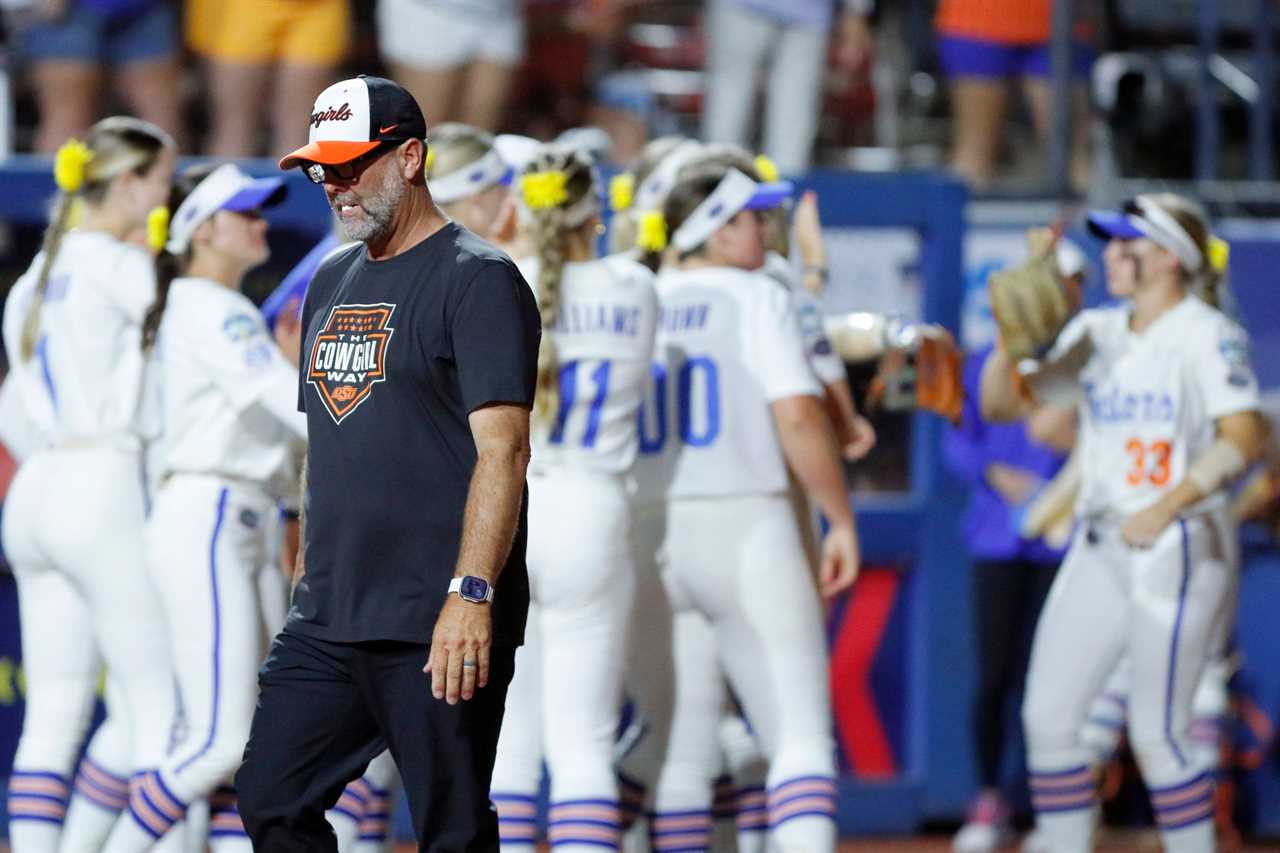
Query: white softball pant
x=73 y=532
x=724 y=587
x=208 y=541
x=563 y=703
x=1163 y=607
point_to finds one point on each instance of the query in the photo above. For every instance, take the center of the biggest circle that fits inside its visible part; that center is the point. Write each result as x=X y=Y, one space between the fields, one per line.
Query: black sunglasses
x=318 y=173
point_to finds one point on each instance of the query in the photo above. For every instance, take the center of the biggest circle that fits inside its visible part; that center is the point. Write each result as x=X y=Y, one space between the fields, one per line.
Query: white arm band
x=1219 y=464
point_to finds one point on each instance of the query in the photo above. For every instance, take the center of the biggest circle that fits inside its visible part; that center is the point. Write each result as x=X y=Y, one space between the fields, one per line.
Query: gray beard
x=379 y=211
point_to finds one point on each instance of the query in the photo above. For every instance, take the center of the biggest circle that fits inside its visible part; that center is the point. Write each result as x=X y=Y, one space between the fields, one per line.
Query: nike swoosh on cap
x=387 y=129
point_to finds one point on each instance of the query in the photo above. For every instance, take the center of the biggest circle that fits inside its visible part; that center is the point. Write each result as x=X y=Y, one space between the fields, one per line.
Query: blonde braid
x=549 y=242
x=553 y=185
x=58 y=226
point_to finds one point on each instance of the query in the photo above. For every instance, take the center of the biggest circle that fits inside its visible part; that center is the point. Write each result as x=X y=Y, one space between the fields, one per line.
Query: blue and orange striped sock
x=686 y=831
x=101 y=787
x=517 y=819
x=153 y=806
x=593 y=823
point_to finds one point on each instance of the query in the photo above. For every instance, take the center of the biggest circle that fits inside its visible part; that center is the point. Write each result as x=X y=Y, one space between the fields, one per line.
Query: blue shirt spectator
x=970 y=449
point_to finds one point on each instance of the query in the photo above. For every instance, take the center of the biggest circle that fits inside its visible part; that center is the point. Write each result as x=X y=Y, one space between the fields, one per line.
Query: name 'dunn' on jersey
x=349 y=356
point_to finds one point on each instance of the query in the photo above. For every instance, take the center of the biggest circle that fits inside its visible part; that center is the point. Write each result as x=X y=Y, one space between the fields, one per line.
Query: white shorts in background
x=441 y=34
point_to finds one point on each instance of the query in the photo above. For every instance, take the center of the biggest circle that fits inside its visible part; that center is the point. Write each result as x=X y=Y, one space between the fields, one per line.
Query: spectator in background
x=456 y=57
x=788 y=39
x=984 y=46
x=265 y=59
x=71 y=46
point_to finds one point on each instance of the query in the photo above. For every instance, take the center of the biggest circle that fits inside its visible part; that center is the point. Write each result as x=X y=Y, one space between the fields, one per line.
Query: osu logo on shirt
x=349 y=356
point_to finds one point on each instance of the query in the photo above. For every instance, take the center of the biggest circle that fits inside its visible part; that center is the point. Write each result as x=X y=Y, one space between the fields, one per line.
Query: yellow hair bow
x=766 y=169
x=71 y=165
x=1219 y=253
x=622 y=191
x=543 y=190
x=653 y=231
x=158 y=228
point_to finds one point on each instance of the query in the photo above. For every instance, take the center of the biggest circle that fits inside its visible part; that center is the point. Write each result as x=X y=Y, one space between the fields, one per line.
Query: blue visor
x=771 y=195
x=263 y=192
x=1113 y=225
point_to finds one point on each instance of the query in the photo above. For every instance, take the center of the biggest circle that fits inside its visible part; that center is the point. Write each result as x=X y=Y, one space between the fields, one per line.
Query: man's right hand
x=458 y=659
x=841 y=559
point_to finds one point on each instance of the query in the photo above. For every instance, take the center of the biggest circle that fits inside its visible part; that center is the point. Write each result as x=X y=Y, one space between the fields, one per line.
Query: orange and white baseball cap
x=355 y=116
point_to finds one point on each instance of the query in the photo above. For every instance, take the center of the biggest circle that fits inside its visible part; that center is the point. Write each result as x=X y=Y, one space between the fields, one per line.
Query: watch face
x=474 y=588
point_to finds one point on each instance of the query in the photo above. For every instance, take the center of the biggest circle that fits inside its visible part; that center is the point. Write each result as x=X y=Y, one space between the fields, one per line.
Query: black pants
x=1008 y=595
x=326 y=709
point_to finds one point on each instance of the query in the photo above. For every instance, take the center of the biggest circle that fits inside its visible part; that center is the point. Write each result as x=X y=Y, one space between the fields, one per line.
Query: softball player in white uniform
x=230 y=432
x=598 y=320
x=74 y=514
x=1168 y=417
x=740 y=812
x=734 y=402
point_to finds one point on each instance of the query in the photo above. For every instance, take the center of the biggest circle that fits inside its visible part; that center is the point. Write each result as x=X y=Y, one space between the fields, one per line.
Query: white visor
x=472 y=178
x=653 y=190
x=226 y=188
x=515 y=150
x=1143 y=218
x=735 y=193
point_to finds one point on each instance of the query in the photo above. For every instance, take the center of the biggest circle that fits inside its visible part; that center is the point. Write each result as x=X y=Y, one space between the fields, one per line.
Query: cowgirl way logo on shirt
x=348 y=356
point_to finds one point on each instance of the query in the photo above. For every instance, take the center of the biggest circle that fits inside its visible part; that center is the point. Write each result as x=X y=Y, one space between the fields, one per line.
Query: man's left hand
x=458 y=660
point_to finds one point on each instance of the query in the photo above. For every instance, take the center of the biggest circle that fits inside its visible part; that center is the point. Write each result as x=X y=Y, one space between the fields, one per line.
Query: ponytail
x=168 y=265
x=559 y=189
x=83 y=171
x=549 y=245
x=1207 y=283
x=1217 y=255
x=58 y=226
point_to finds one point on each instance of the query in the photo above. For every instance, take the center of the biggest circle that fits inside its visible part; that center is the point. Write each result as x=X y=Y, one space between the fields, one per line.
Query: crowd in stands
x=223 y=76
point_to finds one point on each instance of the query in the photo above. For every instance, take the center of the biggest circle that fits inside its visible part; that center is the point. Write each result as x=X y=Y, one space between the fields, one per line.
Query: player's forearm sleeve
x=1219 y=464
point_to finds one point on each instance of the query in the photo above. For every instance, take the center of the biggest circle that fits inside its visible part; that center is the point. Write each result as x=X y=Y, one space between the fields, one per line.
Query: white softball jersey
x=728 y=345
x=17 y=431
x=603 y=336
x=1148 y=401
x=85 y=379
x=229 y=394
